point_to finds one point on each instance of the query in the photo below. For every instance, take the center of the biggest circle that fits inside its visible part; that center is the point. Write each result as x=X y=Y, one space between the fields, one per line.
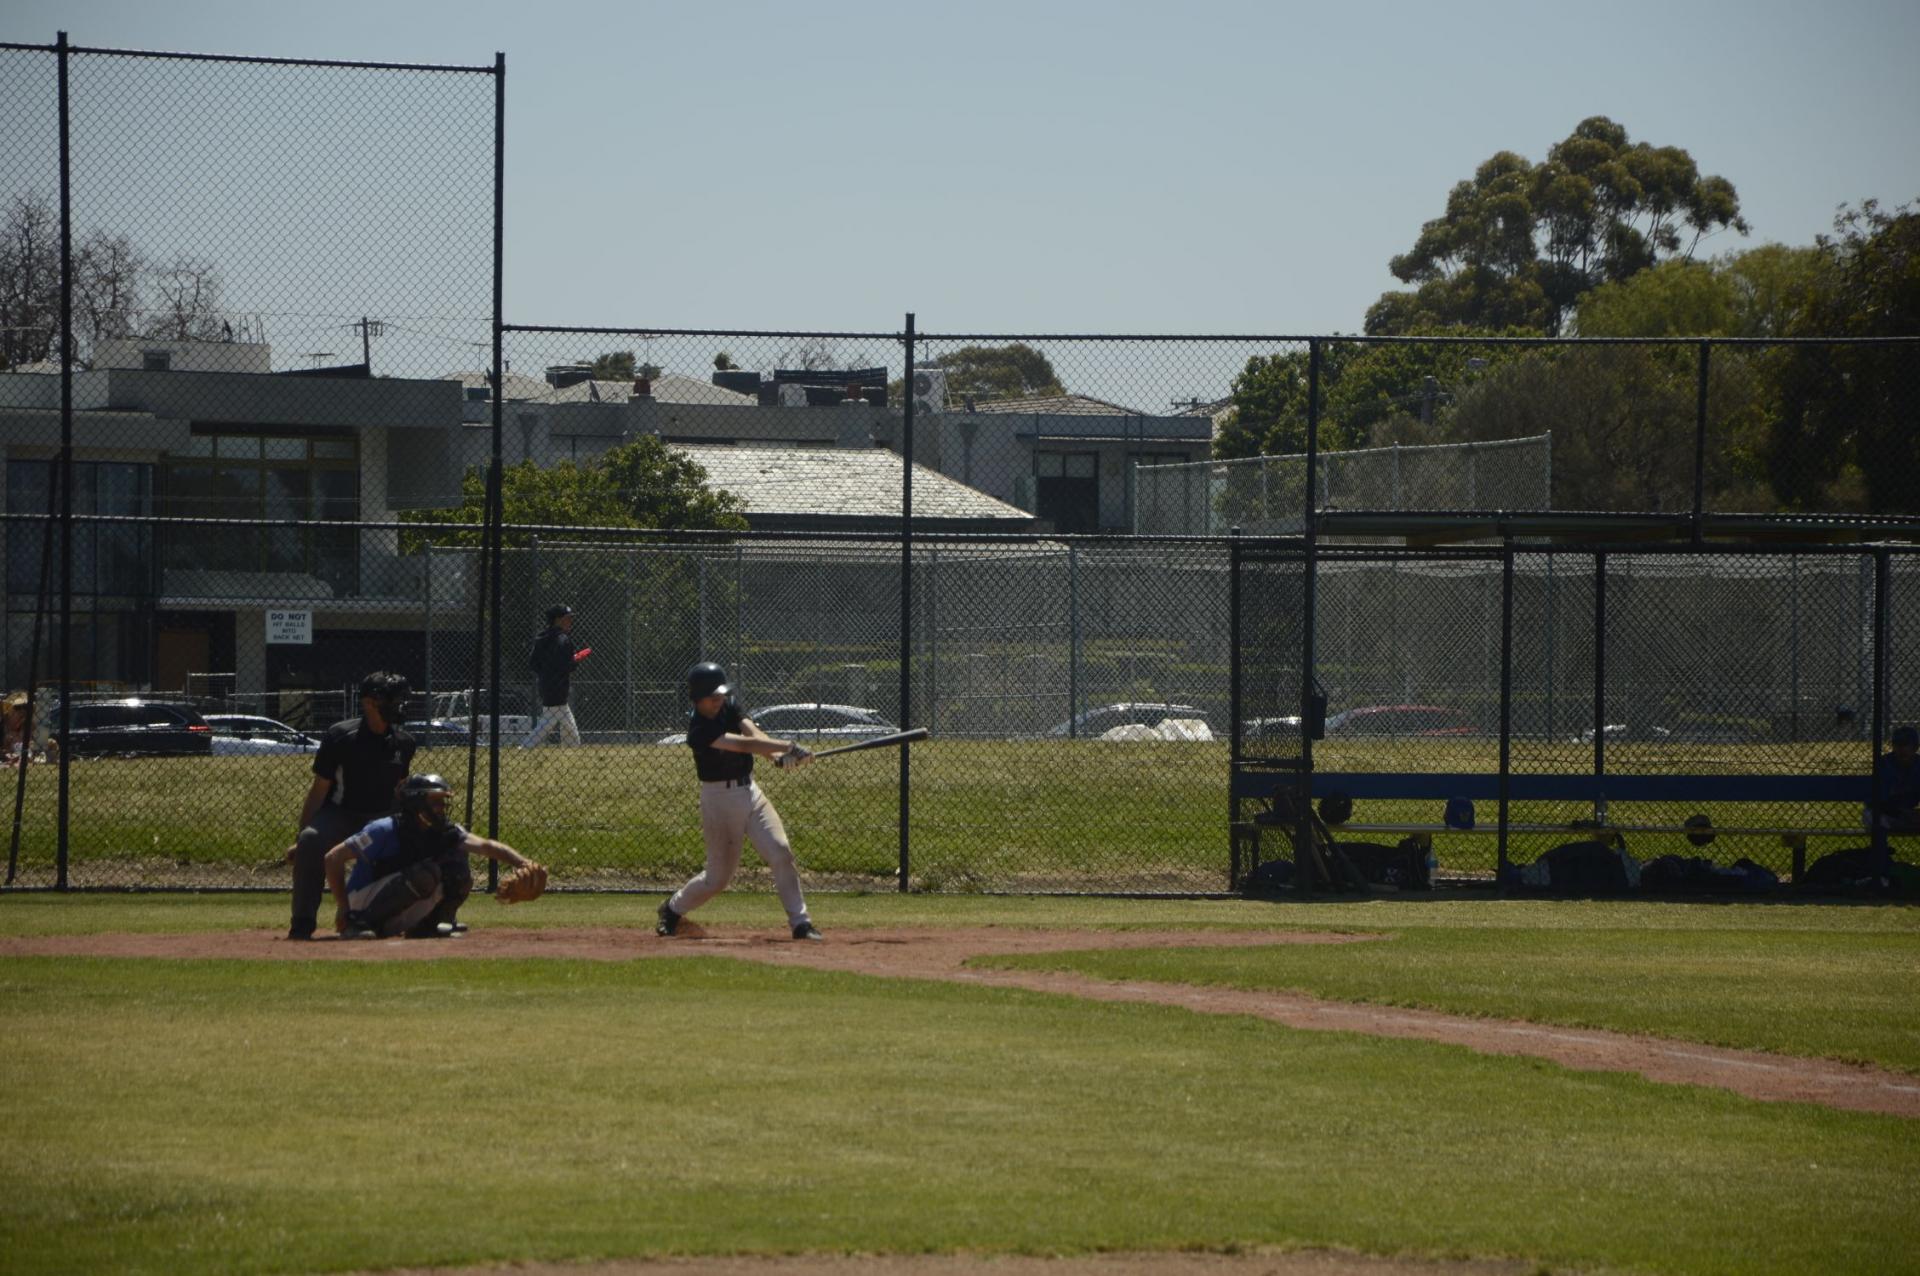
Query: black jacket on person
x=552 y=663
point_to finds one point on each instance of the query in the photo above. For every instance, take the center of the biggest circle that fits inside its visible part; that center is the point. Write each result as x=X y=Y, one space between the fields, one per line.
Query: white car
x=840 y=723
x=240 y=733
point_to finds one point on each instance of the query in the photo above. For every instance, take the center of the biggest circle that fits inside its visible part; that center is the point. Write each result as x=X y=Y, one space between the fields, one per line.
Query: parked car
x=1283 y=728
x=241 y=733
x=434 y=732
x=133 y=726
x=839 y=723
x=1400 y=720
x=1094 y=723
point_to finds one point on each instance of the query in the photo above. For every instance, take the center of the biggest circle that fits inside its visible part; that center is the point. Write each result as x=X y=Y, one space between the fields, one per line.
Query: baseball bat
x=878 y=742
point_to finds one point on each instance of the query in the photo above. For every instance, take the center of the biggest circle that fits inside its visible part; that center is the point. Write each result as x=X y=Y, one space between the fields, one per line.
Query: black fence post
x=64 y=808
x=1506 y=702
x=497 y=504
x=1235 y=670
x=1600 y=685
x=906 y=611
x=1882 y=583
x=1700 y=443
x=1309 y=620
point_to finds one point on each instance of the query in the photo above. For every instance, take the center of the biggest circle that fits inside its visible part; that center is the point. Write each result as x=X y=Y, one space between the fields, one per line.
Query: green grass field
x=1029 y=815
x=265 y=1117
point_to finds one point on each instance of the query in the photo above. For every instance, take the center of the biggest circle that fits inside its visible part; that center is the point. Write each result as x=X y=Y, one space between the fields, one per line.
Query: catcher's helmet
x=1336 y=809
x=415 y=791
x=1458 y=813
x=707 y=679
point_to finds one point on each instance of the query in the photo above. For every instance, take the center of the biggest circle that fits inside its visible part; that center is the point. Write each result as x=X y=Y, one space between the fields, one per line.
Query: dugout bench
x=1264 y=785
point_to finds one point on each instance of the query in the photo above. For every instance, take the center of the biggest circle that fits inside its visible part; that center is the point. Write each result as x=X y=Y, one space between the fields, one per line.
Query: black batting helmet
x=414 y=792
x=707 y=679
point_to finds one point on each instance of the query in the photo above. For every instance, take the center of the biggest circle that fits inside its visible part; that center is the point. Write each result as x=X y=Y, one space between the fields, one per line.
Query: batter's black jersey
x=712 y=763
x=365 y=768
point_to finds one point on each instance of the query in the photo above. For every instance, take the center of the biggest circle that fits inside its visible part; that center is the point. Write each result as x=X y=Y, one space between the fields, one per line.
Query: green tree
x=615 y=365
x=1016 y=371
x=1519 y=243
x=1845 y=434
x=1269 y=396
x=641 y=484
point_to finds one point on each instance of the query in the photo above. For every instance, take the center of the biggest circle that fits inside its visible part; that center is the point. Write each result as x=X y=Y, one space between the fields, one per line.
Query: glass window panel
x=333 y=449
x=198 y=445
x=285 y=449
x=243 y=447
x=122 y=489
x=29 y=486
x=336 y=560
x=1080 y=465
x=336 y=495
x=1047 y=465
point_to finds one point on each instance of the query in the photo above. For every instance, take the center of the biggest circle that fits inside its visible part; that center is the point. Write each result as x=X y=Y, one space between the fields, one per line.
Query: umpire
x=357 y=773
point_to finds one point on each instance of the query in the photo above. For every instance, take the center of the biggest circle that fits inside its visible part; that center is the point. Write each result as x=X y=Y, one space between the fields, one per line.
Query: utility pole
x=369 y=329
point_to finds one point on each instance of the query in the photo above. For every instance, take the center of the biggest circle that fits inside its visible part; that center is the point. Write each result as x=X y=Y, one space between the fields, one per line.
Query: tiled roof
x=839 y=482
x=1058 y=405
x=669 y=387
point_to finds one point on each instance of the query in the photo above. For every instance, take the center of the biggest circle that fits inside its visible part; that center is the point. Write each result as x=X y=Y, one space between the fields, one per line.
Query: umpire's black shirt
x=365 y=768
x=712 y=763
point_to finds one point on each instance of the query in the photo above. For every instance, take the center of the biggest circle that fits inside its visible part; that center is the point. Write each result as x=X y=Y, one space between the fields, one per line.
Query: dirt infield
x=944 y=953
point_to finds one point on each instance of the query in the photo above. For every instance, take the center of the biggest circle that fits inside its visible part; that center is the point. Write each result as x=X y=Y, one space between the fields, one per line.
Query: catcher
x=411 y=871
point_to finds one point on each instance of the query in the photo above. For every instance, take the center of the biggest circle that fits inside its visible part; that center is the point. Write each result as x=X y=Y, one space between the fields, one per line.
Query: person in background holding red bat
x=552 y=660
x=733 y=810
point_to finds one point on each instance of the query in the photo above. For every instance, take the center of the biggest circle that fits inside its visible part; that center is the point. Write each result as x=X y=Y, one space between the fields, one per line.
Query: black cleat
x=297 y=931
x=805 y=930
x=669 y=920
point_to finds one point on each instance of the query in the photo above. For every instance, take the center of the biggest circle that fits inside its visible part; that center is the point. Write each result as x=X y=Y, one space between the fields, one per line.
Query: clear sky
x=1107 y=165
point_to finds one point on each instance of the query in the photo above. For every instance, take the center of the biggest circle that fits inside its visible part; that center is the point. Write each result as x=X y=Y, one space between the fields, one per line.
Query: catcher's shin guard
x=393 y=895
x=456 y=884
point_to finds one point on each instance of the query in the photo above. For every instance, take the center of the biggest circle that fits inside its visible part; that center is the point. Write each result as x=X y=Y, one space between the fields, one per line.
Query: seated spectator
x=1897 y=777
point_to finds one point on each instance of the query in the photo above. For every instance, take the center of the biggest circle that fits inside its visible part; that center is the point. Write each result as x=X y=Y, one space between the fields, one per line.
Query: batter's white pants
x=730 y=815
x=554 y=715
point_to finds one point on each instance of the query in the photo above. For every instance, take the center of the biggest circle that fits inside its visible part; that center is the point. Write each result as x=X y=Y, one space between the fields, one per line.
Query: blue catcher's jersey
x=382 y=850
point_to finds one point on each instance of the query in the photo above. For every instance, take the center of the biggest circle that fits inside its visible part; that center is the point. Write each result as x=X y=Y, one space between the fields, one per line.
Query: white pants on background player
x=732 y=813
x=554 y=715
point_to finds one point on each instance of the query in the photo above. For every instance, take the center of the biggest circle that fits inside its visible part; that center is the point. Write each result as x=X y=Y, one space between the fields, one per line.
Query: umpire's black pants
x=331 y=826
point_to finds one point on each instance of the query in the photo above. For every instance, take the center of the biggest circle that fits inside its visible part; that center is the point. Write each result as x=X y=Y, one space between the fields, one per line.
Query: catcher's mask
x=707 y=679
x=426 y=795
x=388 y=690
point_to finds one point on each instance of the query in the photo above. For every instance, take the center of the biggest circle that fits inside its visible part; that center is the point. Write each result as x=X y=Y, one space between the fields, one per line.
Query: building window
x=292 y=477
x=1067 y=490
x=156 y=360
x=112 y=558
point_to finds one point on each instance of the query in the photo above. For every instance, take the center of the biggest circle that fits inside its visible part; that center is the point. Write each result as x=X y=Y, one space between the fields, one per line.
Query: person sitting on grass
x=1897 y=773
x=411 y=871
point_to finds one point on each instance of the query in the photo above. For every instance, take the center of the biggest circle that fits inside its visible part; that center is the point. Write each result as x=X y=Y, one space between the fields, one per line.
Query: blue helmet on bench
x=1459 y=813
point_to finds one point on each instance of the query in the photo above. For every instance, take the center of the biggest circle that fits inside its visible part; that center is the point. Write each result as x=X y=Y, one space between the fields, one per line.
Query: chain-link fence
x=1695 y=666
x=254 y=380
x=1266 y=495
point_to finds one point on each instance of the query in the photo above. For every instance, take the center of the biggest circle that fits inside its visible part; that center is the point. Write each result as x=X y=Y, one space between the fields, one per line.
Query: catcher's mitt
x=527 y=882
